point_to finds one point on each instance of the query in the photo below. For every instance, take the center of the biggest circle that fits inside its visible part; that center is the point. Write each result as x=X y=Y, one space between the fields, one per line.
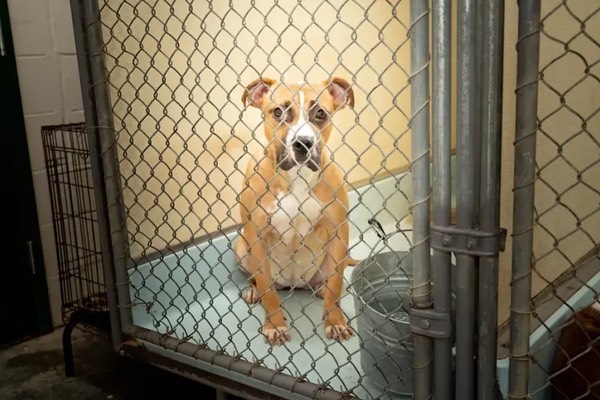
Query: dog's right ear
x=256 y=90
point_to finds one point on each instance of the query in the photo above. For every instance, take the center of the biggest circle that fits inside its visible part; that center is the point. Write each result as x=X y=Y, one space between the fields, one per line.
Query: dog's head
x=297 y=117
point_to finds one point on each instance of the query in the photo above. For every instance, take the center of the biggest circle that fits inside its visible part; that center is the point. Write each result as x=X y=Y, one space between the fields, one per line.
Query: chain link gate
x=179 y=164
x=170 y=90
x=555 y=314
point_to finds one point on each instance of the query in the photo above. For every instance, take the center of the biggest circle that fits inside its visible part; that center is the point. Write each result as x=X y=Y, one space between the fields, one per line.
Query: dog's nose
x=302 y=145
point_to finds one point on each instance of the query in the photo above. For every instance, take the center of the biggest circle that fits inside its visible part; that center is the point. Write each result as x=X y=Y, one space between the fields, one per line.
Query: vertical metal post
x=465 y=167
x=477 y=121
x=421 y=290
x=442 y=293
x=83 y=61
x=492 y=51
x=528 y=46
x=477 y=118
x=104 y=130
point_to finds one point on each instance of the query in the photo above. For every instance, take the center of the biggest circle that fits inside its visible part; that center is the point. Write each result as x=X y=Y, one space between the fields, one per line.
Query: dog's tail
x=352 y=262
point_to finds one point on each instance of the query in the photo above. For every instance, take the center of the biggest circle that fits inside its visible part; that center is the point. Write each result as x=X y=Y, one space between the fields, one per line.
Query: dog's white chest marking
x=298 y=210
x=296 y=252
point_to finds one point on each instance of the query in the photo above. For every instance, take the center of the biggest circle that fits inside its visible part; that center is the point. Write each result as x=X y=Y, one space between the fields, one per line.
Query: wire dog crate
x=75 y=222
x=197 y=111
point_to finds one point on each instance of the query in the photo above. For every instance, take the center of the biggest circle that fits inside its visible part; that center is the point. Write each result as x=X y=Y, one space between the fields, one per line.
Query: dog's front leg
x=333 y=266
x=275 y=327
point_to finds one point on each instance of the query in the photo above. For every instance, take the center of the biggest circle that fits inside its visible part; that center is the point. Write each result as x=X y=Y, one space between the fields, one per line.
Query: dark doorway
x=24 y=306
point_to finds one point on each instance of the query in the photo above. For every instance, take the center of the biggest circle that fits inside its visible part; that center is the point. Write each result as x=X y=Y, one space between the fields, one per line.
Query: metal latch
x=31 y=257
x=2 y=46
x=467 y=241
x=427 y=322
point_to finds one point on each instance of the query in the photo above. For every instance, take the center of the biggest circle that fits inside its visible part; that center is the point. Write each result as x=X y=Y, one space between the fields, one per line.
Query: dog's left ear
x=256 y=90
x=342 y=93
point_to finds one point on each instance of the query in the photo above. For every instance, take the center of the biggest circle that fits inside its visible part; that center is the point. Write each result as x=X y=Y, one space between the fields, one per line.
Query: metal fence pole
x=108 y=149
x=477 y=118
x=491 y=118
x=419 y=46
x=91 y=122
x=524 y=177
x=477 y=123
x=465 y=283
x=441 y=165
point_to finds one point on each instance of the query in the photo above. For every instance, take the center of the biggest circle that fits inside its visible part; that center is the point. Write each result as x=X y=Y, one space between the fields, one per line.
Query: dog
x=575 y=373
x=294 y=203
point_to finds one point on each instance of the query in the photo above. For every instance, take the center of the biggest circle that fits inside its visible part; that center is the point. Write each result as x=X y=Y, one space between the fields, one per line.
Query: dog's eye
x=278 y=112
x=321 y=114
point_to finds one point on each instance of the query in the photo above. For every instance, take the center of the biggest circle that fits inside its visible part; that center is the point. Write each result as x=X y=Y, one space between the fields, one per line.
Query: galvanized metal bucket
x=381 y=287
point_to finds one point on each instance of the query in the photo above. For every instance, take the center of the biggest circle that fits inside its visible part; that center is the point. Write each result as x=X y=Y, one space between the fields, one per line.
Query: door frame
x=16 y=123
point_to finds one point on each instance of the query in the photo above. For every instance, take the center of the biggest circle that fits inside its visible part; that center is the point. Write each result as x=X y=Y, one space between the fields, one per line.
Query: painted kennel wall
x=49 y=83
x=185 y=100
x=213 y=130
x=582 y=151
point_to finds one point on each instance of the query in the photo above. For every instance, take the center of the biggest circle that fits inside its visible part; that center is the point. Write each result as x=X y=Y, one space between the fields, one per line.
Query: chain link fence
x=258 y=164
x=263 y=162
x=565 y=284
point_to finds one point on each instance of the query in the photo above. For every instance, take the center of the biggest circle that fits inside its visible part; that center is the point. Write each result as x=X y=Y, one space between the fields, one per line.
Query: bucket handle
x=378 y=227
x=380 y=232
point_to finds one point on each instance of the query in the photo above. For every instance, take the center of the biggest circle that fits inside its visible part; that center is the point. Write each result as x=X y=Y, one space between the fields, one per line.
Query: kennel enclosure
x=170 y=139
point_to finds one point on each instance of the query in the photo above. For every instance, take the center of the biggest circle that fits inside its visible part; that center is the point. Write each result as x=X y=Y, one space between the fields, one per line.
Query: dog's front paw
x=336 y=327
x=276 y=336
x=338 y=332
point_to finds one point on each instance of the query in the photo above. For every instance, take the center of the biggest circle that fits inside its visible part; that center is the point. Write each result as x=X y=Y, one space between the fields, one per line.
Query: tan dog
x=294 y=203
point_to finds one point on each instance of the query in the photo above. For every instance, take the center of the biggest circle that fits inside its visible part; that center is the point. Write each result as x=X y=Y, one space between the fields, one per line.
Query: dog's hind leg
x=317 y=283
x=250 y=293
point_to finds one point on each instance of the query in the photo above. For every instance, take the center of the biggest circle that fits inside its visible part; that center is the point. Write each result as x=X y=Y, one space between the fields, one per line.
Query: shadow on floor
x=35 y=370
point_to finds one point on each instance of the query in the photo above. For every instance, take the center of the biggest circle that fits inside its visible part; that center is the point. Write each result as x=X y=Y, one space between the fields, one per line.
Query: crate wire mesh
x=74 y=218
x=176 y=73
x=566 y=259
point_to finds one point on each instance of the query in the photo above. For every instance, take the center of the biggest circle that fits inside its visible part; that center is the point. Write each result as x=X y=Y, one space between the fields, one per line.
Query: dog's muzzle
x=302 y=151
x=302 y=147
x=305 y=152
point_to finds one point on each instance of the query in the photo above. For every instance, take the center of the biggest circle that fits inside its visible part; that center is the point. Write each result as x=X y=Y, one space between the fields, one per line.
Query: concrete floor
x=35 y=370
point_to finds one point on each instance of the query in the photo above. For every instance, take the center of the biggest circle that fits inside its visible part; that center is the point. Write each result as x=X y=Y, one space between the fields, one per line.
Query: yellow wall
x=182 y=124
x=201 y=154
x=560 y=126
